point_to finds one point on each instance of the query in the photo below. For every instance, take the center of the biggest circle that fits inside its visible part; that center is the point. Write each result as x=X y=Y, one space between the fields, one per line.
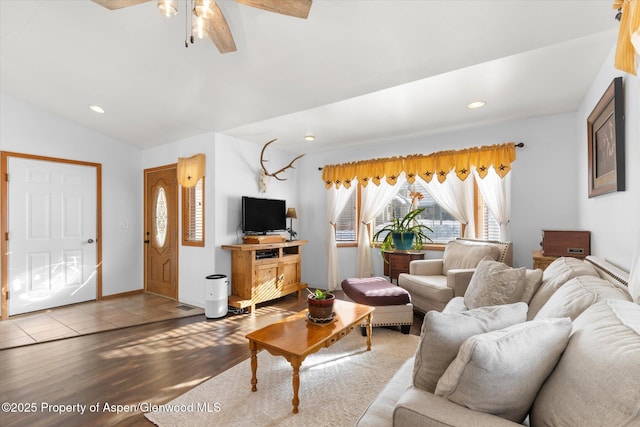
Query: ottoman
x=392 y=303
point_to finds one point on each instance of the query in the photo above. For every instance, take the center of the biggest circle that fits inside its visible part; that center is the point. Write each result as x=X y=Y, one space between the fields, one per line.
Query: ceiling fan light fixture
x=168 y=8
x=199 y=27
x=204 y=8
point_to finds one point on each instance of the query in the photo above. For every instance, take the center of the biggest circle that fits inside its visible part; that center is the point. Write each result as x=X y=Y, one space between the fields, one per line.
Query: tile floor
x=90 y=317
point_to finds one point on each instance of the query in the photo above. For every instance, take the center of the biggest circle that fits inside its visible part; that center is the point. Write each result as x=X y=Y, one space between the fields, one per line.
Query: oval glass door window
x=161 y=217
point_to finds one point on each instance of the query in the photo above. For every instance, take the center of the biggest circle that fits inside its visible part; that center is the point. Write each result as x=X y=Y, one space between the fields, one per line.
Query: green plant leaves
x=406 y=224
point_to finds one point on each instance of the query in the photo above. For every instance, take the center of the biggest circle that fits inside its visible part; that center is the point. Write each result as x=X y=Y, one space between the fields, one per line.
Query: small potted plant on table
x=320 y=305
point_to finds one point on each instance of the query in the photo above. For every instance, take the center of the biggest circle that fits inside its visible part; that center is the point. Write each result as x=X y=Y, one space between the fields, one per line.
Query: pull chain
x=187 y=39
x=190 y=16
x=186 y=23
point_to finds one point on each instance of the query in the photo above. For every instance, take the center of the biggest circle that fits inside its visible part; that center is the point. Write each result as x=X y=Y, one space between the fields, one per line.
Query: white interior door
x=52 y=234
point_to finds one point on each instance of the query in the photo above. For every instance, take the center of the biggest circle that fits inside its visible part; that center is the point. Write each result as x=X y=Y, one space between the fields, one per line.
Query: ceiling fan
x=208 y=20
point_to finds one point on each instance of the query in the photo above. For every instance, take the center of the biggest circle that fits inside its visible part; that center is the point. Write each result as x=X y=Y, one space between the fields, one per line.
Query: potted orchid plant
x=405 y=233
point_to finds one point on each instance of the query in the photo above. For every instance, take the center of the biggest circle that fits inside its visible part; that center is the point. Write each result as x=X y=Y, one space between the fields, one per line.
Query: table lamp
x=291 y=214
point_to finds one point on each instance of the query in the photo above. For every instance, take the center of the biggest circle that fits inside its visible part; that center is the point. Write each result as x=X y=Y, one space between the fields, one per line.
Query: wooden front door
x=161 y=231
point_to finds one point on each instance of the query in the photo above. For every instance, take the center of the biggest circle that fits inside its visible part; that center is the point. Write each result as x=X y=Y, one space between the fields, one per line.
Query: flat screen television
x=260 y=216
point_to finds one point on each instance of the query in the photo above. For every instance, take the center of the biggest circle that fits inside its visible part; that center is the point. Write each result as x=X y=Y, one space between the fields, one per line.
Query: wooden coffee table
x=295 y=337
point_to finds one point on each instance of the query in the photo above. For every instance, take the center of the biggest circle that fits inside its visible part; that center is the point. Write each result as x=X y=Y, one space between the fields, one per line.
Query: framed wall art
x=605 y=130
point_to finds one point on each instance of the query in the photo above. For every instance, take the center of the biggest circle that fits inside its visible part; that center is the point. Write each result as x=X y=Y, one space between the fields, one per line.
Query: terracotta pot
x=321 y=308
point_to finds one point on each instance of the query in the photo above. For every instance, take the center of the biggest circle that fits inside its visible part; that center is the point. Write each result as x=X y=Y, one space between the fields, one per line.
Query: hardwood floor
x=142 y=365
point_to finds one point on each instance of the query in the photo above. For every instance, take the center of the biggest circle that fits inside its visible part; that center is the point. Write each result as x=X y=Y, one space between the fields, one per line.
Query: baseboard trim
x=123 y=294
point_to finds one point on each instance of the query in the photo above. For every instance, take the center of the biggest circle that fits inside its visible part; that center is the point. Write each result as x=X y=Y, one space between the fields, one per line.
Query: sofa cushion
x=500 y=372
x=494 y=283
x=456 y=305
x=577 y=295
x=418 y=408
x=460 y=254
x=559 y=272
x=432 y=287
x=532 y=284
x=443 y=333
x=597 y=378
x=380 y=410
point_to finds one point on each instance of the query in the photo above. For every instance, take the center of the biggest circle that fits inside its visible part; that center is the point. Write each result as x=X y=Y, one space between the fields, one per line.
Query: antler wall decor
x=265 y=175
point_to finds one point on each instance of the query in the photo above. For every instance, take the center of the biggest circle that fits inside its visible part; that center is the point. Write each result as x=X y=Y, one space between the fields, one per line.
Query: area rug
x=336 y=386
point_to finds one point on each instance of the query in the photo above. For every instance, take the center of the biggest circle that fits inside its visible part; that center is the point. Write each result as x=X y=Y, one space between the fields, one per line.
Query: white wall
x=232 y=170
x=544 y=185
x=27 y=129
x=612 y=218
x=237 y=167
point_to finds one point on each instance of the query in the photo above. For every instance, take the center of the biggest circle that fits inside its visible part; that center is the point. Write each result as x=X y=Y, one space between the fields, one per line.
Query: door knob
x=90 y=241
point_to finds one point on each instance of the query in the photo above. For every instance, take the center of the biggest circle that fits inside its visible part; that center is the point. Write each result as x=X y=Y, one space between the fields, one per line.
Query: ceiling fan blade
x=296 y=8
x=219 y=31
x=118 y=4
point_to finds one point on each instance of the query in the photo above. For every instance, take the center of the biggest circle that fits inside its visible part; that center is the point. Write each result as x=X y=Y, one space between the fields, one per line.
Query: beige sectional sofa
x=569 y=356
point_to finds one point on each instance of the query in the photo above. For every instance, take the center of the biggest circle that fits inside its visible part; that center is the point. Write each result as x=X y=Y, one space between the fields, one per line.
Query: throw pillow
x=577 y=295
x=443 y=333
x=494 y=283
x=500 y=372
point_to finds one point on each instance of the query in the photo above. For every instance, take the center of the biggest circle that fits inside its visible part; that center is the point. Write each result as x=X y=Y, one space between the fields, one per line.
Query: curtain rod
x=519 y=145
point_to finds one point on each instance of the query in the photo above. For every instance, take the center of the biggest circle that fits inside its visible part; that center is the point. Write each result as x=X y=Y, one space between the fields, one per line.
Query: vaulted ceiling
x=355 y=71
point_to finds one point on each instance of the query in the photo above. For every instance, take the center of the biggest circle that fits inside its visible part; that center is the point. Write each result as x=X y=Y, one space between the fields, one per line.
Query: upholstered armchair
x=432 y=283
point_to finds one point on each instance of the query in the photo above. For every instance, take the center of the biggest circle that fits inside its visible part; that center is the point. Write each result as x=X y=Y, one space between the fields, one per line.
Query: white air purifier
x=216 y=296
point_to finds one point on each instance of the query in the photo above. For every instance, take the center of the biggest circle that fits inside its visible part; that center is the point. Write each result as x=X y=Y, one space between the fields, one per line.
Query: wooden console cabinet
x=263 y=272
x=398 y=262
x=541 y=261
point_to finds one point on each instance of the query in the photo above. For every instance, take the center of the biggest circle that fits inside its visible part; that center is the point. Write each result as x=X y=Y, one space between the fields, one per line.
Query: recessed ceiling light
x=97 y=109
x=476 y=104
x=309 y=137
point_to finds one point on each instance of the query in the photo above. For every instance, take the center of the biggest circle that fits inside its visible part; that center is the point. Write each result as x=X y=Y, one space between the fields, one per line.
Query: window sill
x=347 y=244
x=426 y=247
x=436 y=246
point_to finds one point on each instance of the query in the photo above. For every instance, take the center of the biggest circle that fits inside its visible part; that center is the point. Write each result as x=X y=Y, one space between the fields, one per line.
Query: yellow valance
x=629 y=26
x=439 y=164
x=190 y=170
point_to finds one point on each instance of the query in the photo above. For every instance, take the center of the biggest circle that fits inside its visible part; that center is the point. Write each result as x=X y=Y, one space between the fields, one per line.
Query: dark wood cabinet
x=396 y=262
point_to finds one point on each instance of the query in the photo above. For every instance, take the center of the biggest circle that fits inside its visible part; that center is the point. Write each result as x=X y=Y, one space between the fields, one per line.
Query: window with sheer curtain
x=444 y=225
x=347 y=224
x=463 y=192
x=337 y=199
x=488 y=227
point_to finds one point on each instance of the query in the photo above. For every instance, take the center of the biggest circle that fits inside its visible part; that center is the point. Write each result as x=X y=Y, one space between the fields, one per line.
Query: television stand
x=263 y=272
x=264 y=238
